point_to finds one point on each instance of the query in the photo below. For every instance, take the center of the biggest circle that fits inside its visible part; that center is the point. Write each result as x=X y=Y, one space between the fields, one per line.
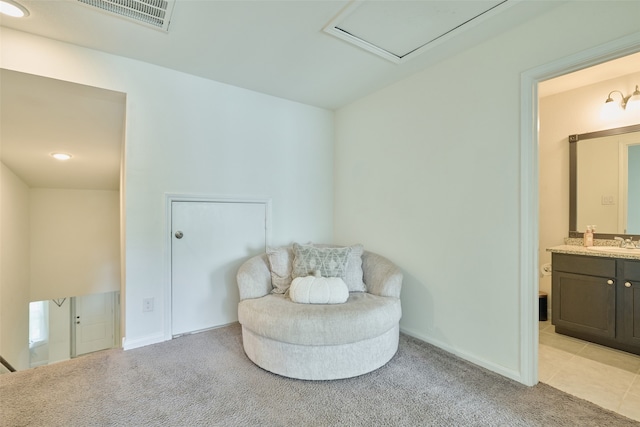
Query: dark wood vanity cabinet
x=584 y=294
x=629 y=301
x=597 y=299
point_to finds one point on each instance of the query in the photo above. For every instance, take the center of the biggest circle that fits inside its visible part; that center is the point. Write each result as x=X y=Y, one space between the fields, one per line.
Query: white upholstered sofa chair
x=320 y=341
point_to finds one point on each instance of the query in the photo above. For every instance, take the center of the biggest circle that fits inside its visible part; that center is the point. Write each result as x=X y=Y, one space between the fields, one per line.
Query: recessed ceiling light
x=61 y=156
x=11 y=8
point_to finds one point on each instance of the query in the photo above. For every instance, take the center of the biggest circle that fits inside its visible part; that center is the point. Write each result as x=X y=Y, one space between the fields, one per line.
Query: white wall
x=427 y=172
x=75 y=242
x=55 y=243
x=190 y=135
x=14 y=269
x=59 y=331
x=572 y=112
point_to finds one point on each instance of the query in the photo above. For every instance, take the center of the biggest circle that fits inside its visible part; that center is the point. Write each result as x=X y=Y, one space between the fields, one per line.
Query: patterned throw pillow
x=353 y=274
x=330 y=262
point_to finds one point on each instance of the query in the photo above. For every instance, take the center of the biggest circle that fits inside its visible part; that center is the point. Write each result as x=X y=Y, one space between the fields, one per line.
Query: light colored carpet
x=205 y=379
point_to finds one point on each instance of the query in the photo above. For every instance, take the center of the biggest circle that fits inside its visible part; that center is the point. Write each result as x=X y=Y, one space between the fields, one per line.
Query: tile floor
x=607 y=377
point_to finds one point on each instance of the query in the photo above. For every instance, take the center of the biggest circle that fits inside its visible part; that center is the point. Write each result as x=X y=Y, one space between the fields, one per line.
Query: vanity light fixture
x=12 y=8
x=611 y=108
x=633 y=103
x=61 y=156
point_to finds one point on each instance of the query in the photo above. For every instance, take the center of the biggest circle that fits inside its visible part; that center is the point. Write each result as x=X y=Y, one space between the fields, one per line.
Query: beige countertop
x=594 y=251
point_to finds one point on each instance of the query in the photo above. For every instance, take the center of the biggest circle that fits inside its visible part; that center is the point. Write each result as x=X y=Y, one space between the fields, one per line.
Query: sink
x=613 y=250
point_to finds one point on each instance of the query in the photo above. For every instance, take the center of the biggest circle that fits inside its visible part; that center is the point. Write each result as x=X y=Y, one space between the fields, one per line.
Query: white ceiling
x=40 y=116
x=274 y=47
x=403 y=33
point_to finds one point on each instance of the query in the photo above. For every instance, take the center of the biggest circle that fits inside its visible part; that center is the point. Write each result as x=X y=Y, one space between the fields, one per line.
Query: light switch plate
x=608 y=200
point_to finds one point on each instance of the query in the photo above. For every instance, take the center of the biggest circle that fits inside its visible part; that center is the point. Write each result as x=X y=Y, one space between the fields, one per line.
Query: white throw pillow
x=318 y=290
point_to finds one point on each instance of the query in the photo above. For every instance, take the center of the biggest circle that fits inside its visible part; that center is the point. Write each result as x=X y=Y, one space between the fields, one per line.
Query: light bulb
x=633 y=103
x=610 y=110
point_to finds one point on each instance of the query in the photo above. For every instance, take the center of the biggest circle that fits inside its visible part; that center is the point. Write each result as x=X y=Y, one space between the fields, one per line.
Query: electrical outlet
x=147 y=304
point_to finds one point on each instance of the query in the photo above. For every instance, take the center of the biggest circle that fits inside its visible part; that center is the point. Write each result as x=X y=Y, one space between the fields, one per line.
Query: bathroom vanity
x=596 y=295
x=595 y=291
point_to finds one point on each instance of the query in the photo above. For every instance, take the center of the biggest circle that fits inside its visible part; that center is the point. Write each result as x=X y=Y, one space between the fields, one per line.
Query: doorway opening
x=65 y=218
x=571 y=104
x=532 y=248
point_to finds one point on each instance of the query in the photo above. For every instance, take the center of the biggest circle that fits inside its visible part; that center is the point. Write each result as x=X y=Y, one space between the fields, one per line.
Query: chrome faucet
x=626 y=243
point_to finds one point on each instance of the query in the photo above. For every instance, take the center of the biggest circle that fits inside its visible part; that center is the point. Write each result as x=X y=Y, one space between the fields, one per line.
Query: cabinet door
x=629 y=301
x=584 y=303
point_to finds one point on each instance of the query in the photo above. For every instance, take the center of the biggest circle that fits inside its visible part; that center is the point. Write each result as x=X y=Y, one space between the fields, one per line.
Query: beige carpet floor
x=205 y=379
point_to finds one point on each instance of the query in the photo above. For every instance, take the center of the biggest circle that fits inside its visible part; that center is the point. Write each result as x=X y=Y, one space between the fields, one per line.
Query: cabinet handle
x=609 y=282
x=627 y=284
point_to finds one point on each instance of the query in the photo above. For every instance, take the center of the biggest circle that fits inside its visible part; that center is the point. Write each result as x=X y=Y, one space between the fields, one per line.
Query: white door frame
x=169 y=199
x=529 y=203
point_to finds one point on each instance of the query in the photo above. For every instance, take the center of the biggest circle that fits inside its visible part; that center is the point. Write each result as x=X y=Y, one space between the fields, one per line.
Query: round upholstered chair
x=320 y=341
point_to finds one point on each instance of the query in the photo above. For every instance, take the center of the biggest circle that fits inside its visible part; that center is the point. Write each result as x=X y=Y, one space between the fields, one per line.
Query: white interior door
x=94 y=322
x=210 y=240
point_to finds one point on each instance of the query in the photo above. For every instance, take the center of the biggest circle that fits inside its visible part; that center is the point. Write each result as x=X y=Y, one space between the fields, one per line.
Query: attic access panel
x=399 y=30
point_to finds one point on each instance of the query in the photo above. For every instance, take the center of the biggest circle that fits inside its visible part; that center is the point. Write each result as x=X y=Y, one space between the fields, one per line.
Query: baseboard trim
x=509 y=373
x=141 y=342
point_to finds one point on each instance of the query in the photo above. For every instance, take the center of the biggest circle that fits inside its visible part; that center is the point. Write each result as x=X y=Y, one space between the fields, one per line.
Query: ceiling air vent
x=154 y=13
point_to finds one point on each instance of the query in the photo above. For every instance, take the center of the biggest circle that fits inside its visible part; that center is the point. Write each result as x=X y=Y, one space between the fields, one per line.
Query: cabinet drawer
x=631 y=270
x=593 y=266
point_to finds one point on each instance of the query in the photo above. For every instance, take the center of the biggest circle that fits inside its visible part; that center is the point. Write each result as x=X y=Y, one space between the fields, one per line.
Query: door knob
x=609 y=282
x=179 y=234
x=627 y=284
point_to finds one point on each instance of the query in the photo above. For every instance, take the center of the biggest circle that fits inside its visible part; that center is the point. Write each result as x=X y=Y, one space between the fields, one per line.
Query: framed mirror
x=604 y=182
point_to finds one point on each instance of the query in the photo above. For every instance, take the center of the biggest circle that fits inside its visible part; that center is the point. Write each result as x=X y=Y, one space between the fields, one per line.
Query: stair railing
x=6 y=364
